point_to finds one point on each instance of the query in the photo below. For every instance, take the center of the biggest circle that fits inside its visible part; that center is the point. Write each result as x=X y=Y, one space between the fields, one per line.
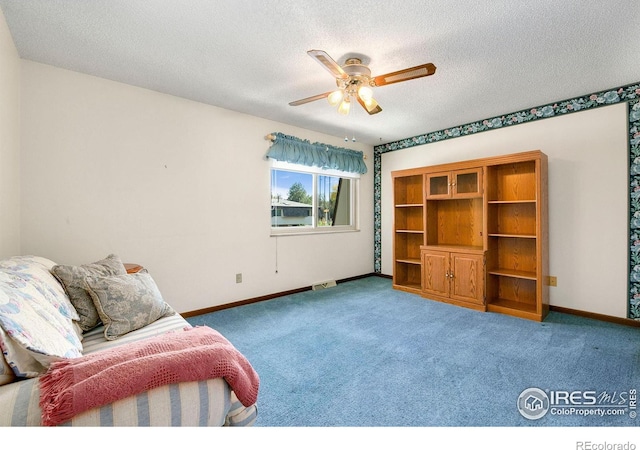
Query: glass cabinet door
x=438 y=185
x=456 y=184
x=467 y=183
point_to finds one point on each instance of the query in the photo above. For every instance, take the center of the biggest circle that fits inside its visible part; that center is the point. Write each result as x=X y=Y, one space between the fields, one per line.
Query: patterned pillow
x=37 y=270
x=35 y=333
x=6 y=373
x=127 y=302
x=72 y=278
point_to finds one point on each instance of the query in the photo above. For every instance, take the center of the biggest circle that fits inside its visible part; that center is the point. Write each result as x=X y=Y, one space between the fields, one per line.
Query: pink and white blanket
x=76 y=385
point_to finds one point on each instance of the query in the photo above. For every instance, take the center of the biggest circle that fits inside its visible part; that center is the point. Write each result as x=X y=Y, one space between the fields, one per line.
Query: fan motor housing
x=358 y=75
x=354 y=68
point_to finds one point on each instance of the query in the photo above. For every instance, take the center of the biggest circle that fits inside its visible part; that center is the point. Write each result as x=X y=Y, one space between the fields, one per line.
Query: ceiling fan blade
x=328 y=63
x=372 y=107
x=310 y=99
x=405 y=75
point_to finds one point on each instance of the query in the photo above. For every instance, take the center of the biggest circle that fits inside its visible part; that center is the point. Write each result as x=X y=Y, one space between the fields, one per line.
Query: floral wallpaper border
x=629 y=94
x=634 y=209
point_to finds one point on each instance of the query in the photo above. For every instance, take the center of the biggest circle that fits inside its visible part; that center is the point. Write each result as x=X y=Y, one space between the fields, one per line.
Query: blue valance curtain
x=298 y=151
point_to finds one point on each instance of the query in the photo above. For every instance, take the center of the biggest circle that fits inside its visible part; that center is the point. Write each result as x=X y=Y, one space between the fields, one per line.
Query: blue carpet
x=364 y=354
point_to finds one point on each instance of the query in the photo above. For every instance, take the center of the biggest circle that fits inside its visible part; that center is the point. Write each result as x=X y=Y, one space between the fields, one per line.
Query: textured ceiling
x=492 y=57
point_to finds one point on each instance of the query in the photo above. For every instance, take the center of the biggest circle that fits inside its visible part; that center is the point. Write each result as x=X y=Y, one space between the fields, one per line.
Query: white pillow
x=36 y=333
x=38 y=270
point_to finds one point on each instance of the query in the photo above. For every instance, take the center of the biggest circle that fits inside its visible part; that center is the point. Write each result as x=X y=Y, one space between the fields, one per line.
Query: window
x=308 y=199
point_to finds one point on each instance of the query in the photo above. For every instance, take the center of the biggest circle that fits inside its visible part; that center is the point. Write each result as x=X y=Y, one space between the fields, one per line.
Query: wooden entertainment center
x=475 y=233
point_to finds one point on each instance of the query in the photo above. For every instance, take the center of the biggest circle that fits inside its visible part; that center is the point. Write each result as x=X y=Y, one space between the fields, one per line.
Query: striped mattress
x=197 y=403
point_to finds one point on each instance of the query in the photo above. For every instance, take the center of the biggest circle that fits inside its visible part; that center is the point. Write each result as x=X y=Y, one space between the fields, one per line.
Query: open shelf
x=510 y=304
x=513 y=273
x=407 y=246
x=513 y=293
x=409 y=218
x=515 y=181
x=408 y=275
x=508 y=307
x=455 y=222
x=514 y=237
x=455 y=248
x=408 y=190
x=512 y=218
x=409 y=261
x=408 y=236
x=512 y=256
x=499 y=202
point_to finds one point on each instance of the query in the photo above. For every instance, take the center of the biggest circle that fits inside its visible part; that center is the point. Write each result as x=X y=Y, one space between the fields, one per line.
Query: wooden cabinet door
x=466 y=183
x=467 y=275
x=435 y=272
x=438 y=185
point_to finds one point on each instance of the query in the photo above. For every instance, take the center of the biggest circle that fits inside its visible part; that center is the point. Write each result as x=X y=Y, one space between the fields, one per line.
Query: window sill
x=298 y=232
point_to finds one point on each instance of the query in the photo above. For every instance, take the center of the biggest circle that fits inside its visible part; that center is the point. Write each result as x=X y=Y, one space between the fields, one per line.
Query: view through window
x=308 y=200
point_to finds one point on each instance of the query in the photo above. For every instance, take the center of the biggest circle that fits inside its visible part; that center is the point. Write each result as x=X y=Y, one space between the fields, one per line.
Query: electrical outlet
x=238 y=278
x=553 y=281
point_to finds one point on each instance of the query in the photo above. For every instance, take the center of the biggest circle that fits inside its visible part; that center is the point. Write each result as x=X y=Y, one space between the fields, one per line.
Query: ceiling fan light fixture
x=354 y=82
x=365 y=93
x=335 y=97
x=344 y=107
x=371 y=105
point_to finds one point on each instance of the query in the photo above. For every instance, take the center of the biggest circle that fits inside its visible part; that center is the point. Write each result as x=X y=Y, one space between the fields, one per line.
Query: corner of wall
x=9 y=143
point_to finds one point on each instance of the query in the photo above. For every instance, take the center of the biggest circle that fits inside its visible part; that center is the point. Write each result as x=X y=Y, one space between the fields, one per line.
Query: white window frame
x=316 y=171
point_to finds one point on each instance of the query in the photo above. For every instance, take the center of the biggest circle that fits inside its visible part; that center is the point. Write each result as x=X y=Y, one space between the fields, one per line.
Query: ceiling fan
x=354 y=81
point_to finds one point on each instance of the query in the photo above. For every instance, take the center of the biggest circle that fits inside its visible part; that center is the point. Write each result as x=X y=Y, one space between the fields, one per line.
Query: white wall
x=182 y=188
x=178 y=186
x=9 y=144
x=588 y=198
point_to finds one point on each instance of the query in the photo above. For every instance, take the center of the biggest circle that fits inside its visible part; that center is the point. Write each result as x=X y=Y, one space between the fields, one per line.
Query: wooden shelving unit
x=517 y=242
x=408 y=194
x=453 y=256
x=474 y=233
